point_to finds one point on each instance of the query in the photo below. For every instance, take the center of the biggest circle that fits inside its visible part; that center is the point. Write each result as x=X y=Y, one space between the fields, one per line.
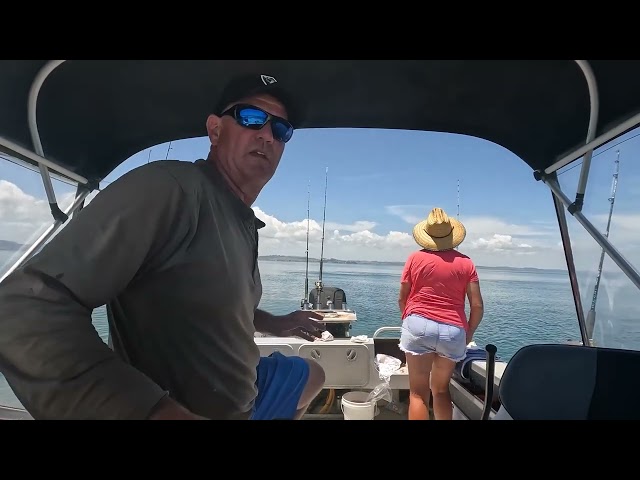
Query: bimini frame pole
x=571 y=266
x=42 y=75
x=16 y=151
x=84 y=186
x=549 y=177
x=591 y=143
x=76 y=205
x=577 y=204
x=598 y=142
x=614 y=254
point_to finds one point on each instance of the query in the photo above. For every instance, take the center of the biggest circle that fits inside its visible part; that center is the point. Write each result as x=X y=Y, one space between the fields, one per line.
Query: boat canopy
x=93 y=115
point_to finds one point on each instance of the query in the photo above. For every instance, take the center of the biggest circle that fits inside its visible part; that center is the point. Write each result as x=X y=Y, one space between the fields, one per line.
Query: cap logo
x=268 y=80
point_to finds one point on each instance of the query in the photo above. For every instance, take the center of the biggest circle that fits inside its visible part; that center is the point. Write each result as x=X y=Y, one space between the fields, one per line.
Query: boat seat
x=571 y=382
x=337 y=295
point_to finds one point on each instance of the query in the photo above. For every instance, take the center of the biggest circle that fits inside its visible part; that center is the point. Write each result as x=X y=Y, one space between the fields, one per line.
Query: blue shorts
x=423 y=335
x=280 y=383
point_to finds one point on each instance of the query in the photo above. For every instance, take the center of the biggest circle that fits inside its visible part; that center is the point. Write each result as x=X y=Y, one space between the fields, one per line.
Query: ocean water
x=522 y=307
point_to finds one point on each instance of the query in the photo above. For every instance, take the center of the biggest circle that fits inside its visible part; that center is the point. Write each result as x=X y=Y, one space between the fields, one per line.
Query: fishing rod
x=305 y=298
x=591 y=316
x=324 y=216
x=458 y=212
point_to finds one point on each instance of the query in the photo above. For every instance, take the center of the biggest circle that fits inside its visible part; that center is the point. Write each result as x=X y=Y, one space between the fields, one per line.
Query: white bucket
x=355 y=406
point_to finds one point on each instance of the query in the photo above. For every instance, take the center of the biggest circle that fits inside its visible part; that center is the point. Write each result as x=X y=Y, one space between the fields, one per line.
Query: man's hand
x=301 y=323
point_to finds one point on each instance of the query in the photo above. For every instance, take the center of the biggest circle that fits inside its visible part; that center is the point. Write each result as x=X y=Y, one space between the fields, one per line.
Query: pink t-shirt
x=438 y=285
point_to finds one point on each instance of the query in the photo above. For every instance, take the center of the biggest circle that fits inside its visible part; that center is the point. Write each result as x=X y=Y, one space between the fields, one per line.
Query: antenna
x=591 y=316
x=305 y=298
x=169 y=148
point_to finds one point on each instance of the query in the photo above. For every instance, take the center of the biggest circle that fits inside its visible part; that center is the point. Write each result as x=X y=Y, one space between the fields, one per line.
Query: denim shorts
x=422 y=335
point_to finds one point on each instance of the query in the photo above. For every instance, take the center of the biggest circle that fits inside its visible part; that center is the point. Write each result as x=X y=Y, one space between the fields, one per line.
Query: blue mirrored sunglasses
x=255 y=118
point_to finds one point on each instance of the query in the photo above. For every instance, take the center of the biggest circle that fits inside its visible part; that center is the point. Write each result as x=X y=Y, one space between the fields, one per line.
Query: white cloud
x=491 y=225
x=359 y=226
x=490 y=241
x=499 y=243
x=409 y=213
x=624 y=234
x=494 y=242
x=22 y=216
x=359 y=243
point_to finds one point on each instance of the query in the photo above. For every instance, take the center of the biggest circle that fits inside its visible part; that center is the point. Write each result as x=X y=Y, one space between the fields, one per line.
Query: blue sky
x=381 y=183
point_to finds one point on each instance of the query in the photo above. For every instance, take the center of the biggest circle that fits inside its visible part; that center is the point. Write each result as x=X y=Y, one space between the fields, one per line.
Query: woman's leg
x=418 y=340
x=440 y=377
x=419 y=367
x=452 y=347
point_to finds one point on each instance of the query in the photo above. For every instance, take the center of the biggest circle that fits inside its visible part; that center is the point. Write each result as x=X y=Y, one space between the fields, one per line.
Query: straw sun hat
x=439 y=231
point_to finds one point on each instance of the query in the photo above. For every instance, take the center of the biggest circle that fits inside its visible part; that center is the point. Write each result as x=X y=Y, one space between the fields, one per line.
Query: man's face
x=248 y=157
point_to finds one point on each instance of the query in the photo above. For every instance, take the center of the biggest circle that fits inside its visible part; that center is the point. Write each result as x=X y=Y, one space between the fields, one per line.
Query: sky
x=380 y=183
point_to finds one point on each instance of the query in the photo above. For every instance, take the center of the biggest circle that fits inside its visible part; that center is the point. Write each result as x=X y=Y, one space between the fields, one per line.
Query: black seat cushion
x=571 y=382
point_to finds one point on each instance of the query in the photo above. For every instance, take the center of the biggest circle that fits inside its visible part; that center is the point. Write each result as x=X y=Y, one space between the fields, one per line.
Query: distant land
x=7 y=245
x=288 y=258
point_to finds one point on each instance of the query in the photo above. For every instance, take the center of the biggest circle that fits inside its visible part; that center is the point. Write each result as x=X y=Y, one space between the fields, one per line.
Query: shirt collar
x=214 y=175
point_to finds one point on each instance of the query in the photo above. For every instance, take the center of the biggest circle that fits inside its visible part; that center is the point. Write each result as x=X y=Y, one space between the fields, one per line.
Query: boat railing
x=386 y=329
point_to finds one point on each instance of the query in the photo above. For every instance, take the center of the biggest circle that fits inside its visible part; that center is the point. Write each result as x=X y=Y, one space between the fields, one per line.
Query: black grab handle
x=488 y=388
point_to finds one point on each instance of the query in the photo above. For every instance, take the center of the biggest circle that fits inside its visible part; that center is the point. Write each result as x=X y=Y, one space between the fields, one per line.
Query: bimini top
x=93 y=115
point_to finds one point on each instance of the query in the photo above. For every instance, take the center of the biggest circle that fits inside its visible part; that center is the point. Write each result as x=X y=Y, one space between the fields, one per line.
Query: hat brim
x=455 y=238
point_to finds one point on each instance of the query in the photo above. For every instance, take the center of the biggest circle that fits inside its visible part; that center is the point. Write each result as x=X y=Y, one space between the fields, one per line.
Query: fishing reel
x=318 y=302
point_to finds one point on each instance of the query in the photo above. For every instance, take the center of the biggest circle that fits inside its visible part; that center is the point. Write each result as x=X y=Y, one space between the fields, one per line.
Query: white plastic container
x=356 y=407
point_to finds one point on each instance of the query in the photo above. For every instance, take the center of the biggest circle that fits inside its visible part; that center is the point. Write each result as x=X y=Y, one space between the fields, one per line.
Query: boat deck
x=359 y=373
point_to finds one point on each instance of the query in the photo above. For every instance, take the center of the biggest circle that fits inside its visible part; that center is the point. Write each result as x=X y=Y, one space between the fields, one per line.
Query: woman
x=435 y=330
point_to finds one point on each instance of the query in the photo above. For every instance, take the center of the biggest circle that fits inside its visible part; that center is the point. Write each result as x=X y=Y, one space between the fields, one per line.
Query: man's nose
x=265 y=133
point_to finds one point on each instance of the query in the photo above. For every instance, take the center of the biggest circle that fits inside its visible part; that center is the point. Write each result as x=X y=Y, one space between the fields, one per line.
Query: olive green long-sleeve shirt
x=173 y=253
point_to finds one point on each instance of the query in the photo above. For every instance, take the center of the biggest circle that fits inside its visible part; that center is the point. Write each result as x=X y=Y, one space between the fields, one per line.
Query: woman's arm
x=476 y=306
x=402 y=298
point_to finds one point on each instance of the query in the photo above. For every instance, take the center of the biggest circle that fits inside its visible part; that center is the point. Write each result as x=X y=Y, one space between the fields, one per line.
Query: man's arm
x=264 y=322
x=169 y=409
x=50 y=353
x=301 y=323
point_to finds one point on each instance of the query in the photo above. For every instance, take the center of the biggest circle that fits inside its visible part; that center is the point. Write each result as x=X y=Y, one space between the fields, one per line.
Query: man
x=172 y=249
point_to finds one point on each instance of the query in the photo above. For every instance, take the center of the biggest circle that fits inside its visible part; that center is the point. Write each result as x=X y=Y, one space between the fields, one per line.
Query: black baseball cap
x=251 y=84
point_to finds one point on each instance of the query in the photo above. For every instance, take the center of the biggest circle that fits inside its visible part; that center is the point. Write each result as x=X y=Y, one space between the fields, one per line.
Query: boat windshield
x=612 y=198
x=372 y=206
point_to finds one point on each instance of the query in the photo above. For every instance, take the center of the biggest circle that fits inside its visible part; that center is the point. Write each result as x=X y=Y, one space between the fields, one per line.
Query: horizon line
x=390 y=262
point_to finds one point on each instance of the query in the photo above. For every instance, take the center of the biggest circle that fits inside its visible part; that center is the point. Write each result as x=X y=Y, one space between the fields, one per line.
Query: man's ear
x=213 y=128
